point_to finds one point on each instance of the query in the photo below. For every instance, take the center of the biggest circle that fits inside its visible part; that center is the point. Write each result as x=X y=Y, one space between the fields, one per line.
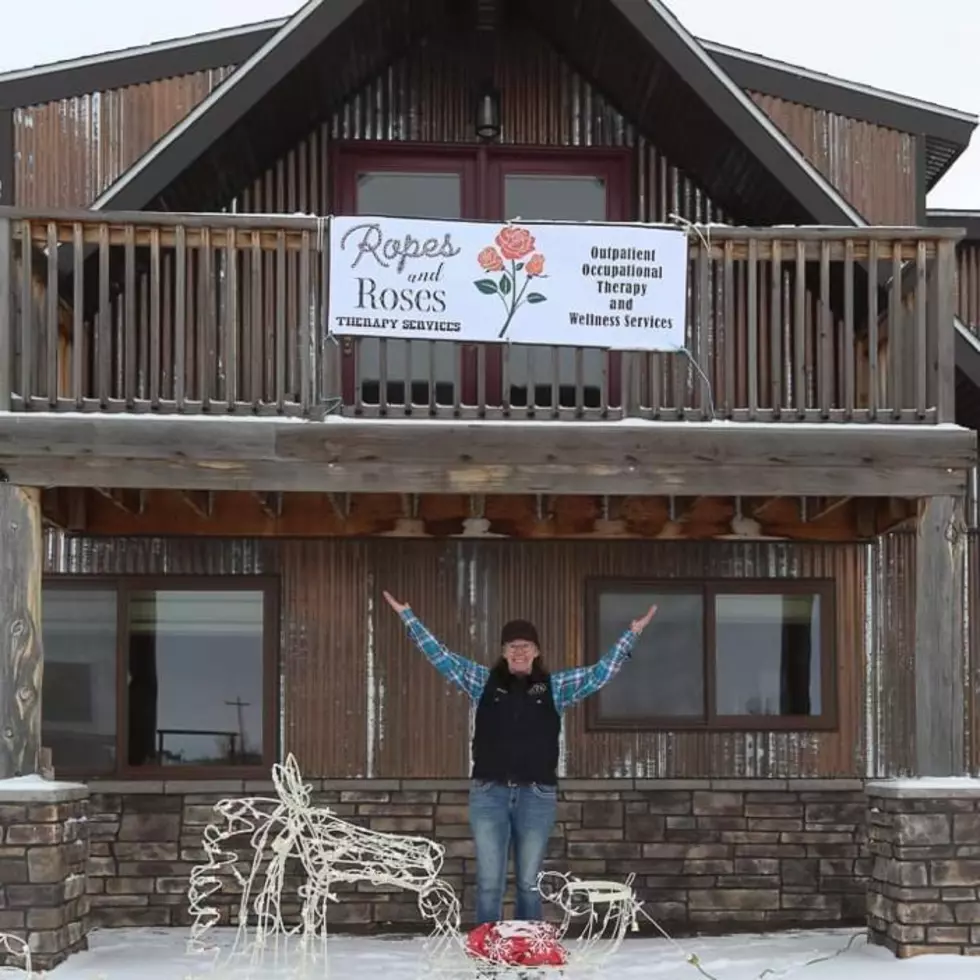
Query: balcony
x=223 y=315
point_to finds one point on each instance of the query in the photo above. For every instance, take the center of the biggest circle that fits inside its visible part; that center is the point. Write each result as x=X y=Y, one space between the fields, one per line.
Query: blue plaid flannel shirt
x=567 y=686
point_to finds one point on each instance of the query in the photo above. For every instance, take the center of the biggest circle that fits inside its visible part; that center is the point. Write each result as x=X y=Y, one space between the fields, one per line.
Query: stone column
x=43 y=858
x=924 y=894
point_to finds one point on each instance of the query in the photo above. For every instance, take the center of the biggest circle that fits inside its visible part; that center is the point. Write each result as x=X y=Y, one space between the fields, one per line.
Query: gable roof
x=946 y=131
x=732 y=146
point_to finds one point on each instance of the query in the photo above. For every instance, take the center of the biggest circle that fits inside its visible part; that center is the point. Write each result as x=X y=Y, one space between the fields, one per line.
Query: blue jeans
x=499 y=813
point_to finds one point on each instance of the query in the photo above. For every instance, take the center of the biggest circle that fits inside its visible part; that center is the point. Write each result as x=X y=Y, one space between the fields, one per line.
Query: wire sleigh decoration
x=285 y=930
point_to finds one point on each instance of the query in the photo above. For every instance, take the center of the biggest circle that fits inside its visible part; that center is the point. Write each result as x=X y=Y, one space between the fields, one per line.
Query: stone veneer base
x=709 y=856
x=924 y=893
x=43 y=868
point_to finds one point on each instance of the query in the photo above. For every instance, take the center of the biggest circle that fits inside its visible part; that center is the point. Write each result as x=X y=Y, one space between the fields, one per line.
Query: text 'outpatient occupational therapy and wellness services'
x=620 y=287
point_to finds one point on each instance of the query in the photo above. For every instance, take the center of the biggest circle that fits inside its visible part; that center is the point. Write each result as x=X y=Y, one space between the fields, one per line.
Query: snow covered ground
x=159 y=954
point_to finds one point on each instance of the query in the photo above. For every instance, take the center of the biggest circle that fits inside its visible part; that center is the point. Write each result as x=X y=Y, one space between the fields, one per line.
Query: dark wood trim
x=8 y=169
x=709 y=590
x=969 y=221
x=124 y=586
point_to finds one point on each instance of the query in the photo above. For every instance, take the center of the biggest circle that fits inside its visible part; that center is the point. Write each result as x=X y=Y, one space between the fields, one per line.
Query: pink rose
x=515 y=243
x=490 y=260
x=535 y=265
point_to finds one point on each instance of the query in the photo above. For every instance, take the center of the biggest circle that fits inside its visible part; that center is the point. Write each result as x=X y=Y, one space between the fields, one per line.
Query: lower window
x=729 y=654
x=162 y=674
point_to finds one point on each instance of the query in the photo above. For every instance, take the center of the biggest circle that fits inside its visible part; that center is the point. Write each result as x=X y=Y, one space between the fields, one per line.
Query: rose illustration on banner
x=515 y=246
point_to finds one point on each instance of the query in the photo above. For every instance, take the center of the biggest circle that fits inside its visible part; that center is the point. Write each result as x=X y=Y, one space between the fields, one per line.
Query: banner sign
x=621 y=287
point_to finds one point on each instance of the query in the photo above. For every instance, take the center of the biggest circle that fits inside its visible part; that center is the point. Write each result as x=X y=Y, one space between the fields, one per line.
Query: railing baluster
x=874 y=382
x=730 y=347
x=897 y=354
x=799 y=331
x=305 y=323
x=26 y=385
x=705 y=353
x=156 y=288
x=775 y=330
x=826 y=382
x=103 y=337
x=850 y=351
x=752 y=324
x=129 y=316
x=579 y=381
x=920 y=362
x=280 y=320
x=433 y=402
x=231 y=329
x=556 y=381
x=53 y=334
x=6 y=311
x=180 y=317
x=207 y=367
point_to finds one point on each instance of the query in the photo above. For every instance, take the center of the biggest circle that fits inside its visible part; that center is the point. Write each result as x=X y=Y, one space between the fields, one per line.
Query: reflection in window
x=78 y=704
x=665 y=677
x=407 y=372
x=767 y=654
x=767 y=657
x=554 y=197
x=195 y=662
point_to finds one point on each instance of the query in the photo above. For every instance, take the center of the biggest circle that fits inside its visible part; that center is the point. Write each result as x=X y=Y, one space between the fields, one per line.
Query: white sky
x=924 y=50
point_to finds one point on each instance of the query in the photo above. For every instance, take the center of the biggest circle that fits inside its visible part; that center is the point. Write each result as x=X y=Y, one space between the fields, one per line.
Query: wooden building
x=204 y=495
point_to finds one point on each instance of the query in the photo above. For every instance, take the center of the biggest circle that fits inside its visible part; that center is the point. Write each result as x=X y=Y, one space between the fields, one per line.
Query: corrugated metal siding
x=358 y=701
x=873 y=167
x=67 y=153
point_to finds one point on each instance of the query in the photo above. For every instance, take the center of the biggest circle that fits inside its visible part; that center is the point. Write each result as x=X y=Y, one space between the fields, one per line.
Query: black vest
x=517 y=730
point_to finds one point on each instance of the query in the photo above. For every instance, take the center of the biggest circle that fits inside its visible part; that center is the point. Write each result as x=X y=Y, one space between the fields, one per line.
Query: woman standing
x=514 y=790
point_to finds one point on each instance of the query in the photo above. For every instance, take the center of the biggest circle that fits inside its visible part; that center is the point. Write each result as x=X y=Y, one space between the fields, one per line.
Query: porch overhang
x=434 y=456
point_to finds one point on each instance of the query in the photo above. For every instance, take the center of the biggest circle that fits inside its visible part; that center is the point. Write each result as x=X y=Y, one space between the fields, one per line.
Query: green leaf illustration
x=536 y=298
x=505 y=286
x=486 y=286
x=520 y=265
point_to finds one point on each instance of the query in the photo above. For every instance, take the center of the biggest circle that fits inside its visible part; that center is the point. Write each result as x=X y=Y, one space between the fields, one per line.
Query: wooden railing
x=225 y=314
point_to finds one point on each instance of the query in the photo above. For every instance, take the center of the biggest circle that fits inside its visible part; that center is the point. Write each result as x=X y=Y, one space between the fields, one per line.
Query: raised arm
x=469 y=676
x=574 y=685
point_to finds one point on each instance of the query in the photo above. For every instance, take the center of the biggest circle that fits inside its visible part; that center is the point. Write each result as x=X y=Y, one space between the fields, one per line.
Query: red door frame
x=482 y=170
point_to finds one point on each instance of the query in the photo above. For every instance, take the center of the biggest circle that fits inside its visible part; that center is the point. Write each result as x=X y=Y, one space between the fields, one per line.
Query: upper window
x=143 y=675
x=727 y=654
x=480 y=183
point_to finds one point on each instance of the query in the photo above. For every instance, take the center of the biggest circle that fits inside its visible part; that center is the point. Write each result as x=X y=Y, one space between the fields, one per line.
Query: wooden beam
x=199 y=501
x=939 y=718
x=824 y=508
x=674 y=459
x=21 y=662
x=271 y=504
x=127 y=499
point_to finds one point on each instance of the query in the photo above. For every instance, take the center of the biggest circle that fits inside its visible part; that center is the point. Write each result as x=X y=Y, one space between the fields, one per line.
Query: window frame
x=124 y=586
x=483 y=169
x=827 y=721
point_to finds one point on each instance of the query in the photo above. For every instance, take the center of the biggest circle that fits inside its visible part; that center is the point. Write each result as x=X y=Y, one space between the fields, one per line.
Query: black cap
x=519 y=629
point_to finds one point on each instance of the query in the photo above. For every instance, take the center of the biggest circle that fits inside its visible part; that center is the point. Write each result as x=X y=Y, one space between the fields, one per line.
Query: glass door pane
x=531 y=370
x=402 y=372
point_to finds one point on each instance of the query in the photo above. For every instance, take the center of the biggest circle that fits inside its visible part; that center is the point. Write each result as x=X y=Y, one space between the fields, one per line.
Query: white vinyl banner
x=622 y=287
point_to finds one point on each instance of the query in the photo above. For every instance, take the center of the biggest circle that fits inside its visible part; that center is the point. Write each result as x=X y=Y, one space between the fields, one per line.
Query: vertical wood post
x=21 y=660
x=6 y=316
x=939 y=706
x=941 y=338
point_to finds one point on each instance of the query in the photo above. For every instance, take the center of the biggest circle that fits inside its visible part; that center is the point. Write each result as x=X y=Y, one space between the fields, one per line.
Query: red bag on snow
x=517 y=944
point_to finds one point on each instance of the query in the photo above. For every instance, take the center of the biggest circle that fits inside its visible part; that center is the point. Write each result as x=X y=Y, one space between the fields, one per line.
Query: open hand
x=639 y=625
x=399 y=607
